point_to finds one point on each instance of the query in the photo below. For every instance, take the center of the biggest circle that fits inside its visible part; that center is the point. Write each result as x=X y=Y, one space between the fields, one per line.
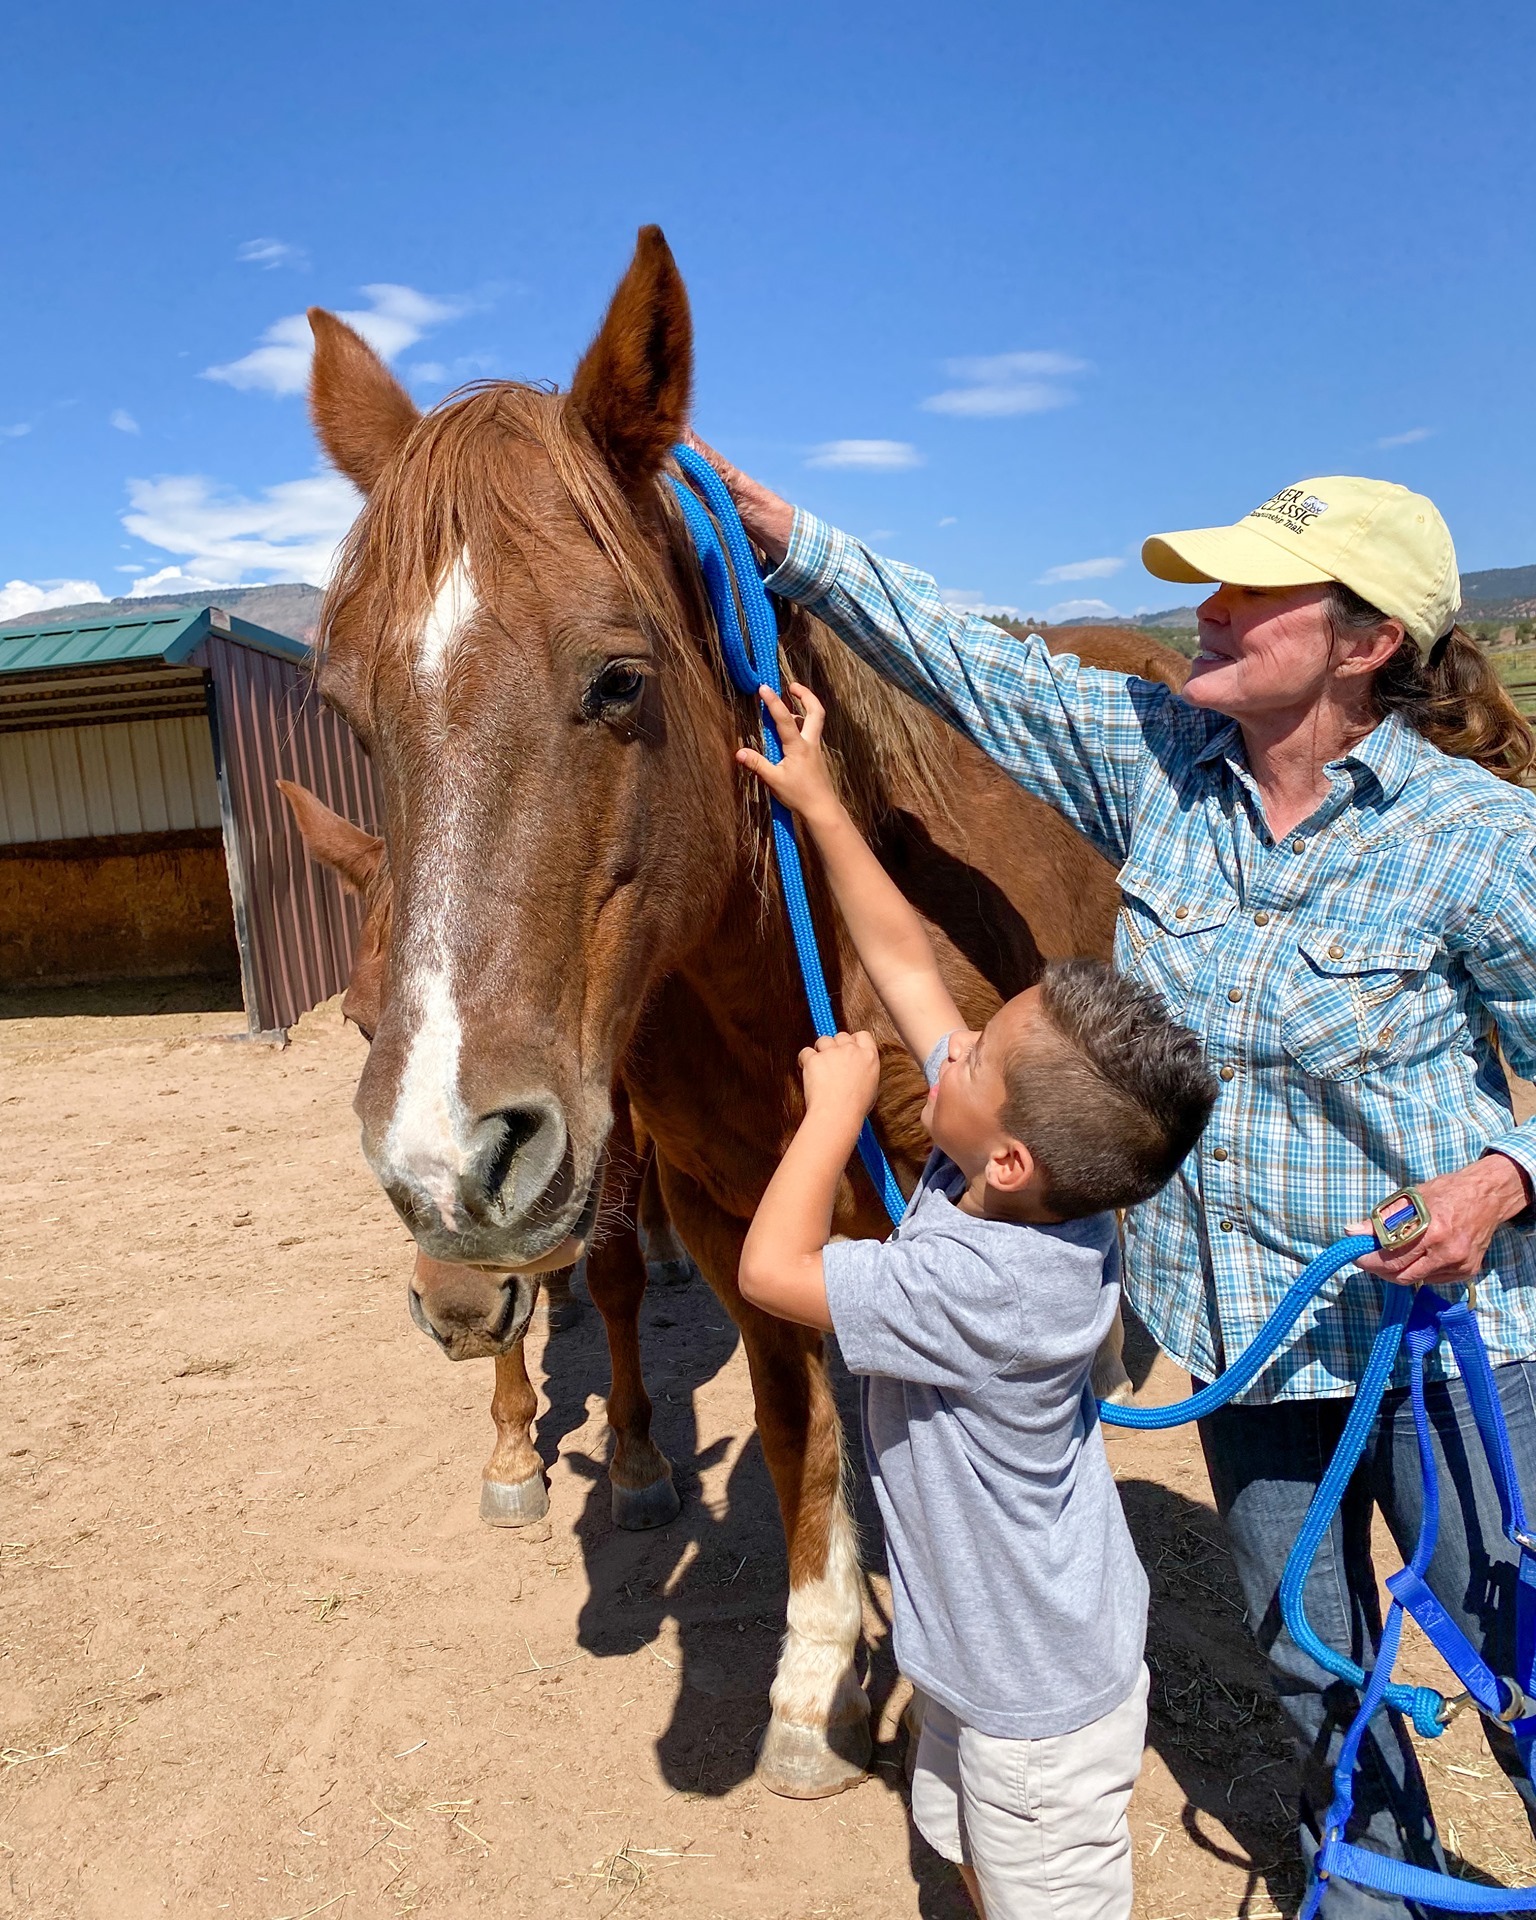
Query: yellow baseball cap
x=1387 y=544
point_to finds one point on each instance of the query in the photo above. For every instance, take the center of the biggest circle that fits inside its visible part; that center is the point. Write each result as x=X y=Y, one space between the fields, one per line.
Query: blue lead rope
x=749 y=670
x=730 y=573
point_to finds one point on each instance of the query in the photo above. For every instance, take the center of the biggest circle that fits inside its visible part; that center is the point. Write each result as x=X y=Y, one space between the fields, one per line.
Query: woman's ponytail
x=1455 y=699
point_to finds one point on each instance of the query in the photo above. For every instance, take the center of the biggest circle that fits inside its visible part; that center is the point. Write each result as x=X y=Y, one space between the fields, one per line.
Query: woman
x=1329 y=872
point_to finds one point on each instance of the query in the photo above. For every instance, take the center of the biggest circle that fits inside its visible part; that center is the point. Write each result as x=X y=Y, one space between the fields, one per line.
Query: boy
x=1019 y=1604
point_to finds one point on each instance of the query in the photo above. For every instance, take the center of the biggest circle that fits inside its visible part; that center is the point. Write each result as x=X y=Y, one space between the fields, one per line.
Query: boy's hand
x=800 y=779
x=841 y=1075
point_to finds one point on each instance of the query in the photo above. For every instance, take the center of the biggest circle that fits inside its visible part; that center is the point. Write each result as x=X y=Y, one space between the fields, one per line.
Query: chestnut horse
x=580 y=901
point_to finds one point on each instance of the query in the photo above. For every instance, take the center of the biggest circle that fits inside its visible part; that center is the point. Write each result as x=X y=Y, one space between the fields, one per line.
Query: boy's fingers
x=783 y=715
x=814 y=713
x=750 y=757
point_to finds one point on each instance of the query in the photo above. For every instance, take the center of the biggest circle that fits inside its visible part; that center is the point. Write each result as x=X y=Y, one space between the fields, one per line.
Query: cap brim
x=1239 y=555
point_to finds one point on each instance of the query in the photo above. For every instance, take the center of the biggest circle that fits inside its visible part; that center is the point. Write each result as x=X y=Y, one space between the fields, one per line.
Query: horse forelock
x=472 y=486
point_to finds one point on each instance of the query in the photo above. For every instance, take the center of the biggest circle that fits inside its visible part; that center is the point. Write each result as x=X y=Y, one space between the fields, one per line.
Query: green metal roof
x=113 y=640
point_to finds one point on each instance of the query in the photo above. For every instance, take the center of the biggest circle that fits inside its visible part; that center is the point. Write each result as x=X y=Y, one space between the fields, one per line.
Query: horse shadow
x=718 y=1573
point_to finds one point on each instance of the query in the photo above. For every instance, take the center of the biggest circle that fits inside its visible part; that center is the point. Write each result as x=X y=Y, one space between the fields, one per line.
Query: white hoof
x=514 y=1503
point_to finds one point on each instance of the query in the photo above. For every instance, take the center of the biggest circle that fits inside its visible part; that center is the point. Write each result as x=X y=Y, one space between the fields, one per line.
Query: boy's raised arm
x=891 y=940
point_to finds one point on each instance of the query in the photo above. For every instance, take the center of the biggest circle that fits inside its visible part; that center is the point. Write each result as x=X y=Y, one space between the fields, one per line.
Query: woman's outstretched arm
x=1077 y=737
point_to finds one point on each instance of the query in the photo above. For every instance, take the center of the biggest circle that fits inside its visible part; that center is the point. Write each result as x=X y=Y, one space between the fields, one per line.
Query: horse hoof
x=811 y=1763
x=637 y=1509
x=671 y=1273
x=515 y=1503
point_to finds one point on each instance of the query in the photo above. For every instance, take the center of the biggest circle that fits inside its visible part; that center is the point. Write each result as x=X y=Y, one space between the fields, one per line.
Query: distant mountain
x=290 y=608
x=1494 y=593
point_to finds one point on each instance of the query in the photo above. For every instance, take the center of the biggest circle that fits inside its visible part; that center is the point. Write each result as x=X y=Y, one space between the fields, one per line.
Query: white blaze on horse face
x=428 y=1143
x=428 y=1139
x=454 y=605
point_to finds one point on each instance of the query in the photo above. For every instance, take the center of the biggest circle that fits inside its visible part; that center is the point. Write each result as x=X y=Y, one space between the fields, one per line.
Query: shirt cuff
x=811 y=566
x=1519 y=1145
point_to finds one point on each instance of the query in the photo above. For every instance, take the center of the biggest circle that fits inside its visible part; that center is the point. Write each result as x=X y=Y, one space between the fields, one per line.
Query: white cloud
x=1407 y=439
x=124 y=421
x=869 y=456
x=218 y=537
x=949 y=520
x=270 y=254
x=1081 y=610
x=15 y=433
x=21 y=597
x=396 y=319
x=1006 y=383
x=451 y=373
x=1082 y=570
x=968 y=600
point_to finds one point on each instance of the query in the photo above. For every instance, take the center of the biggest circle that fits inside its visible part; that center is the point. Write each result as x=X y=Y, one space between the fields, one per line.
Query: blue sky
x=1001 y=288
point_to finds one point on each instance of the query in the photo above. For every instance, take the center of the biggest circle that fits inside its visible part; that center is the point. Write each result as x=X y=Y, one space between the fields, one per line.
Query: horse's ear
x=633 y=385
x=360 y=410
x=334 y=842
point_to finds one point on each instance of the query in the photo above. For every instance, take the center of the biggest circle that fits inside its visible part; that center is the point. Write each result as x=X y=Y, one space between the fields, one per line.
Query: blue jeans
x=1265 y=1464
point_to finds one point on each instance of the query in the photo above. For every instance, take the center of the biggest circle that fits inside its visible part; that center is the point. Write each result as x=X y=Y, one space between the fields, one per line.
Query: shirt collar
x=1388 y=753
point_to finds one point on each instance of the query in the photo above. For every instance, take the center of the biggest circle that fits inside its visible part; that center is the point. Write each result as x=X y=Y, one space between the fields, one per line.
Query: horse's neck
x=713 y=1068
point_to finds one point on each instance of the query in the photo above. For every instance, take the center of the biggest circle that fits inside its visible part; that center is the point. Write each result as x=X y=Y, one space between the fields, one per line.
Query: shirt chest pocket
x=1164 y=933
x=1351 y=1002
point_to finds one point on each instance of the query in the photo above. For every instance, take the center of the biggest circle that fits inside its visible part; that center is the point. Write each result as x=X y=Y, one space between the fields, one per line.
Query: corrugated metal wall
x=77 y=783
x=297 y=925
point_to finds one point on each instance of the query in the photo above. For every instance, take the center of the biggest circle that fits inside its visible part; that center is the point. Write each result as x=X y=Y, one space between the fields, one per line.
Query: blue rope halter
x=723 y=565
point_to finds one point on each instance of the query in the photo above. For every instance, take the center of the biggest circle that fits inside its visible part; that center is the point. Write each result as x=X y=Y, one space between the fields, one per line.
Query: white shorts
x=1041 y=1822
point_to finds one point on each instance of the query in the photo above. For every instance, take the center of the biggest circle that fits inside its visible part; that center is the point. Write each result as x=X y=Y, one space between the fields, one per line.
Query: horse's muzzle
x=470 y=1314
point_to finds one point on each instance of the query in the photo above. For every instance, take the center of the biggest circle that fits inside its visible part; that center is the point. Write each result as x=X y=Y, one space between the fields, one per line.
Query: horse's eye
x=614 y=692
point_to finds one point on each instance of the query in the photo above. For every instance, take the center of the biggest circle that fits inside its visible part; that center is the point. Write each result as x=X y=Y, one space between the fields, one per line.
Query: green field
x=1516 y=667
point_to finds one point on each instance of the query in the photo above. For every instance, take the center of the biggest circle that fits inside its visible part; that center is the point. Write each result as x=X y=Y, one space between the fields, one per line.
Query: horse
x=636 y=1240
x=581 y=896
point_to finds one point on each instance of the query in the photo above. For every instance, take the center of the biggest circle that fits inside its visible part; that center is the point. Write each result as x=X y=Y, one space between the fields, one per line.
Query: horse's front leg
x=817 y=1741
x=512 y=1489
x=639 y=1474
x=818 y=1737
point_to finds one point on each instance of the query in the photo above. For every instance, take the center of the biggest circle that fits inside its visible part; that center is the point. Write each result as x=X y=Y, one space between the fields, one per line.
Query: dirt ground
x=259 y=1656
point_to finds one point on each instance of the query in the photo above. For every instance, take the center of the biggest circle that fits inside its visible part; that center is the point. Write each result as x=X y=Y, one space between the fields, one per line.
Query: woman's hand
x=768 y=518
x=842 y=1077
x=800 y=779
x=1466 y=1208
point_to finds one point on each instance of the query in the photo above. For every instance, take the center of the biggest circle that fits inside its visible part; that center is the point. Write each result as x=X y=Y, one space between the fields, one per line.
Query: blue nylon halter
x=730 y=571
x=721 y=566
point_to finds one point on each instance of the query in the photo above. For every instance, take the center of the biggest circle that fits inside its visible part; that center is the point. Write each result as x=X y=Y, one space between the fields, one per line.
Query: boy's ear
x=1011 y=1167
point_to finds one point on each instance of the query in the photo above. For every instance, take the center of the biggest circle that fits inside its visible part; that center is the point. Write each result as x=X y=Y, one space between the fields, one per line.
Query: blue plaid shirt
x=1346 y=981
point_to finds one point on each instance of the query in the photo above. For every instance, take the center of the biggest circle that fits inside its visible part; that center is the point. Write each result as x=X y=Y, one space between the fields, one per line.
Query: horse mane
x=459 y=485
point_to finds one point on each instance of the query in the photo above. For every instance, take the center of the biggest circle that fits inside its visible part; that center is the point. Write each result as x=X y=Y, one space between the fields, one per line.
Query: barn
x=142 y=835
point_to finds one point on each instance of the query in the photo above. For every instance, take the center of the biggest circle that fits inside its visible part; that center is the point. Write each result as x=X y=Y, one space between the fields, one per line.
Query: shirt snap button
x=1219 y=1154
x=1335 y=952
x=1234 y=993
x=1226 y=1226
x=1385 y=1035
x=1226 y=1073
x=1261 y=919
x=1181 y=913
x=1298 y=846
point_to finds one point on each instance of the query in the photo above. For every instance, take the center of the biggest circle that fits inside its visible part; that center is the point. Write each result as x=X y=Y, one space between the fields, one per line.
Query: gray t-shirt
x=1019 y=1601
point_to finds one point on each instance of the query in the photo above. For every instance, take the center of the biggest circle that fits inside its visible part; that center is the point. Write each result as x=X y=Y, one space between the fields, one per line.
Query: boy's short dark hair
x=1109 y=1093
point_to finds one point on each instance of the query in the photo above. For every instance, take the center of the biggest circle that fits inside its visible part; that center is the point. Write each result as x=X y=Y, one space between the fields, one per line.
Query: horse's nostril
x=516 y=1128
